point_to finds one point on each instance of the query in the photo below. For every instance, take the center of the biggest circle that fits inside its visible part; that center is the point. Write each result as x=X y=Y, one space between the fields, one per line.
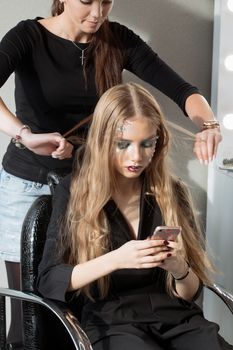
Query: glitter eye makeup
x=150 y=143
x=122 y=144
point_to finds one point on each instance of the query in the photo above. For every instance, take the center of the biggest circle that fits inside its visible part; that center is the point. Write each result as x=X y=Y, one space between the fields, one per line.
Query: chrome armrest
x=69 y=321
x=223 y=294
x=78 y=337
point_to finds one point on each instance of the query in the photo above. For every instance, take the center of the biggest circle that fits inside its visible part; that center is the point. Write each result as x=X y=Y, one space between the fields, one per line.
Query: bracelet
x=17 y=139
x=210 y=124
x=185 y=275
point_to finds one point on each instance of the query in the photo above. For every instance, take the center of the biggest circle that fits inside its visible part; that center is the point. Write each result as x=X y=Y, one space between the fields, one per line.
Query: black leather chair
x=48 y=324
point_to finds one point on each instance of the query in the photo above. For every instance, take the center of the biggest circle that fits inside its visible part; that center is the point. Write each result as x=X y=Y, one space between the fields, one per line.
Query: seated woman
x=137 y=292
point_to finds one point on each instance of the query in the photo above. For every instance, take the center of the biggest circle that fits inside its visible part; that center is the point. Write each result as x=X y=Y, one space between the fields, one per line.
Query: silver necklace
x=83 y=52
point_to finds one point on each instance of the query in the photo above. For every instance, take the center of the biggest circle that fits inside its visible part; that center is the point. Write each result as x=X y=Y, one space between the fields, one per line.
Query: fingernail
x=168 y=255
x=206 y=162
x=165 y=242
x=201 y=161
x=210 y=159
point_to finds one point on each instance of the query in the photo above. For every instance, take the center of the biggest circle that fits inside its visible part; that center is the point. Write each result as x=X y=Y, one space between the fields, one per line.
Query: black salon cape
x=136 y=296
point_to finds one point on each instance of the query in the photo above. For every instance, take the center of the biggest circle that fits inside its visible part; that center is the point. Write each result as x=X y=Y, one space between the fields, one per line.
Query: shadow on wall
x=181 y=32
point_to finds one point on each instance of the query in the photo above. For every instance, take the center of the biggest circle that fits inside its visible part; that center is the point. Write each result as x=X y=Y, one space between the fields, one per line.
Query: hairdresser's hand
x=64 y=150
x=206 y=145
x=140 y=254
x=174 y=261
x=46 y=144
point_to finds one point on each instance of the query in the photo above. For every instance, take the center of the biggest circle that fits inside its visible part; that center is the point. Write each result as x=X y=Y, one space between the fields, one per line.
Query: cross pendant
x=82 y=57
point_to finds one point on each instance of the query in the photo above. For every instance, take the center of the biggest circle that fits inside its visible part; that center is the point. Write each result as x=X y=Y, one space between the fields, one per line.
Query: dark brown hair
x=57 y=8
x=106 y=52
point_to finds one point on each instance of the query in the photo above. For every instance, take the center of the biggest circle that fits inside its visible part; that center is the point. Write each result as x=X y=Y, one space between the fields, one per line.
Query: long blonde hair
x=86 y=232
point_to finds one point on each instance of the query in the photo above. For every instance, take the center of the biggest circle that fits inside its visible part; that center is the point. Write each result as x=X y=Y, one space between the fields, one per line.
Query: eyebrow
x=148 y=139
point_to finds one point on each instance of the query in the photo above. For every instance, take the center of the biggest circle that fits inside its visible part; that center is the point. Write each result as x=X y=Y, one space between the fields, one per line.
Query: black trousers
x=197 y=333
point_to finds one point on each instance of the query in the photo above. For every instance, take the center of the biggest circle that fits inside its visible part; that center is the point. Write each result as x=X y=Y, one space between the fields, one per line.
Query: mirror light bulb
x=230 y=5
x=228 y=121
x=229 y=62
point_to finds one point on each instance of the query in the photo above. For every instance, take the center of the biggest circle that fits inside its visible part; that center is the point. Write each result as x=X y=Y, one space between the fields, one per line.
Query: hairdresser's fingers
x=62 y=144
x=197 y=151
x=61 y=147
x=206 y=145
x=214 y=137
x=210 y=140
x=200 y=149
x=64 y=150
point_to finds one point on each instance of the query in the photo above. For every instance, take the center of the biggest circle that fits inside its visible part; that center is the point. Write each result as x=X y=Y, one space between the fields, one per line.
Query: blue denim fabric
x=16 y=197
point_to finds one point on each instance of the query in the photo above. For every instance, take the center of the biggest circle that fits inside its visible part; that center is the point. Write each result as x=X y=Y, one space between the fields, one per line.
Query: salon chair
x=48 y=324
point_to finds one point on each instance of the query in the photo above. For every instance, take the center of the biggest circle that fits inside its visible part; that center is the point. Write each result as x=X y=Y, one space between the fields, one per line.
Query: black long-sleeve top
x=50 y=92
x=135 y=295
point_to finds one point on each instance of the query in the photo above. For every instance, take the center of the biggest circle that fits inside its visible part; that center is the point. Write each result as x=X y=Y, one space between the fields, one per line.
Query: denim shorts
x=16 y=197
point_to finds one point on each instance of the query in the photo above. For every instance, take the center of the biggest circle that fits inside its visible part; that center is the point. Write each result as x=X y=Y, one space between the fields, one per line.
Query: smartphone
x=168 y=233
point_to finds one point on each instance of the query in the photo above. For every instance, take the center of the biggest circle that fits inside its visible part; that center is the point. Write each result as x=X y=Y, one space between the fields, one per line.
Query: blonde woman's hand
x=174 y=262
x=206 y=145
x=140 y=254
